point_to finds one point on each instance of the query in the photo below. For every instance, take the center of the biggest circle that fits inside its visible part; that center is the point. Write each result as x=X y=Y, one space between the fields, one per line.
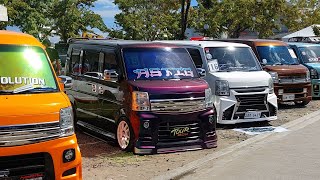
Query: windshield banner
x=22 y=80
x=160 y=72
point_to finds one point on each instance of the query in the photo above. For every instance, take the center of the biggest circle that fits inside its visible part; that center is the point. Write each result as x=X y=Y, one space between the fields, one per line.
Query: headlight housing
x=271 y=86
x=274 y=76
x=222 y=88
x=66 y=121
x=209 y=98
x=314 y=74
x=140 y=101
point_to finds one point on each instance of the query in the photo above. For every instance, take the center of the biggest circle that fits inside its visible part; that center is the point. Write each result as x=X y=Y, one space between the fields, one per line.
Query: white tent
x=306 y=32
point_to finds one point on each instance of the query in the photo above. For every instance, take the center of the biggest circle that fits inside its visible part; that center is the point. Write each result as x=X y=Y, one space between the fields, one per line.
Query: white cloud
x=107 y=4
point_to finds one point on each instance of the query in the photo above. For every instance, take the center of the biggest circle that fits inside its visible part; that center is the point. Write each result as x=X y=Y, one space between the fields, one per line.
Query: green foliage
x=147 y=19
x=316 y=30
x=65 y=18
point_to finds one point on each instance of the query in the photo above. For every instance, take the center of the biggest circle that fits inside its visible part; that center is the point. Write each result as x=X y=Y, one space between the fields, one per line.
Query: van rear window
x=158 y=63
x=22 y=66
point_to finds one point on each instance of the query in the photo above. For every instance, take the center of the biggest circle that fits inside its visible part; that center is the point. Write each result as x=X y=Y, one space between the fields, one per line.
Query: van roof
x=123 y=43
x=258 y=42
x=205 y=43
x=17 y=38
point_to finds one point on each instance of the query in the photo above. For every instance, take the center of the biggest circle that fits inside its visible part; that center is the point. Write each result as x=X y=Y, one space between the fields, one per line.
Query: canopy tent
x=306 y=32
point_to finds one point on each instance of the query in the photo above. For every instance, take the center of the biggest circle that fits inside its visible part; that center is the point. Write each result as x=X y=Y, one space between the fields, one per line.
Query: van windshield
x=158 y=63
x=310 y=54
x=231 y=59
x=25 y=69
x=276 y=55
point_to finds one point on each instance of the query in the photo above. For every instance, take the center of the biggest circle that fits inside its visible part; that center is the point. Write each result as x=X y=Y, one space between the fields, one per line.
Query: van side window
x=90 y=62
x=110 y=67
x=74 y=62
x=196 y=57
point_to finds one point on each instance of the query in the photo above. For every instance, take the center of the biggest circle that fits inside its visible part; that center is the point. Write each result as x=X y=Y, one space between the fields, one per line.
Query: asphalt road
x=291 y=155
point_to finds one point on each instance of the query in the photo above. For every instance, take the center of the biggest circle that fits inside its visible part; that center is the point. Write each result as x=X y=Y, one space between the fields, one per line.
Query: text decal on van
x=159 y=72
x=21 y=80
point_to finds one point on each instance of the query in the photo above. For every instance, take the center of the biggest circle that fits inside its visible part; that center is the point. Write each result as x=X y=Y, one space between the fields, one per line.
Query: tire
x=124 y=135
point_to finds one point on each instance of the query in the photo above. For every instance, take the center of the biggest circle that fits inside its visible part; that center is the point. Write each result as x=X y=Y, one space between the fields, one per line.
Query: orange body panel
x=20 y=109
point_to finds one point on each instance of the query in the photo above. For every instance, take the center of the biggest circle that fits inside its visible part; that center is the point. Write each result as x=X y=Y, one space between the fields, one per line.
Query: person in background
x=53 y=55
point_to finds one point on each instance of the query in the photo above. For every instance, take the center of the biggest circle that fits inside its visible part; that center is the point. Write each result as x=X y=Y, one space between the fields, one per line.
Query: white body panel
x=250 y=87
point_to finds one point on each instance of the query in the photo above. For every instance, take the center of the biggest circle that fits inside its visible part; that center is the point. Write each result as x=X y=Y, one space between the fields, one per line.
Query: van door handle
x=89 y=84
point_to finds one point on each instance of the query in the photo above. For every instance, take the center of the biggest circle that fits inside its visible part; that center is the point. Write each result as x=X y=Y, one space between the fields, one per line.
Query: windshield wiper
x=277 y=63
x=28 y=88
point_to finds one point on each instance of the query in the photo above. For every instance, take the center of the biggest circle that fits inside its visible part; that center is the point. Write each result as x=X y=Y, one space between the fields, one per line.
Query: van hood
x=31 y=108
x=287 y=70
x=239 y=79
x=170 y=86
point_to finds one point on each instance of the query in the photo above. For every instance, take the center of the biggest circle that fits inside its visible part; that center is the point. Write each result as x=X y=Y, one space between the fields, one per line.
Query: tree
x=185 y=7
x=316 y=30
x=70 y=17
x=29 y=15
x=65 y=18
x=146 y=19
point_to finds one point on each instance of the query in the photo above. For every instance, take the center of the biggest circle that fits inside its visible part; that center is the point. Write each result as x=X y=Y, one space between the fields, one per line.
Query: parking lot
x=102 y=160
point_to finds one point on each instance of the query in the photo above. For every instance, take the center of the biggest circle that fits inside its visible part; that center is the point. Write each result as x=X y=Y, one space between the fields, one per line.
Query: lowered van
x=148 y=96
x=37 y=139
x=309 y=55
x=242 y=91
x=291 y=79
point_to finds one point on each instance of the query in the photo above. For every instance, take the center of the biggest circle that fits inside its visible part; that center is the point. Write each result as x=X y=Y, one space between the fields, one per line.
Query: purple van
x=154 y=101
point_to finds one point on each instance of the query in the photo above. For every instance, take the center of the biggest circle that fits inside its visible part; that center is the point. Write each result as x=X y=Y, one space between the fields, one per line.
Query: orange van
x=37 y=139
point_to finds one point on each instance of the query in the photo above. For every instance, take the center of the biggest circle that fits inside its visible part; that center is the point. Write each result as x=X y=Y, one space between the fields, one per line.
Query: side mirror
x=67 y=81
x=264 y=62
x=61 y=84
x=201 y=72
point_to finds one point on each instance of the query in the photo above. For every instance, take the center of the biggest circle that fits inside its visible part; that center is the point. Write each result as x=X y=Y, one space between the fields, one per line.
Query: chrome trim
x=16 y=135
x=183 y=105
x=293 y=80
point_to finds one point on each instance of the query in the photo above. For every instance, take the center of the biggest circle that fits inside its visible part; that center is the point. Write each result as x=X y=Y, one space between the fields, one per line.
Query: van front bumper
x=315 y=87
x=243 y=102
x=293 y=92
x=166 y=133
x=51 y=152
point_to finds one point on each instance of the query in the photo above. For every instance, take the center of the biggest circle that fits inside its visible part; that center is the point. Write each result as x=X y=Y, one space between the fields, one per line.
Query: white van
x=242 y=91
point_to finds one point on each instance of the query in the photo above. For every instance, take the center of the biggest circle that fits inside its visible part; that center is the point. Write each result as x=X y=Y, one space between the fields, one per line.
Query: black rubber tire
x=129 y=147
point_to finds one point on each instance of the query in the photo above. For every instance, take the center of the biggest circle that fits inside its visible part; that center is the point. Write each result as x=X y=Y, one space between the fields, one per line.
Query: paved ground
x=102 y=160
x=289 y=156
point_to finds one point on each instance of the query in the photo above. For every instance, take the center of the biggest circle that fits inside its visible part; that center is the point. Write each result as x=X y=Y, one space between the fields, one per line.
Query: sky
x=107 y=10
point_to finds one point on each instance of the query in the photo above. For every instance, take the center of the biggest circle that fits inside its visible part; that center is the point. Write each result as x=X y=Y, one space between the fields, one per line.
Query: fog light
x=280 y=91
x=146 y=124
x=305 y=90
x=69 y=155
x=211 y=119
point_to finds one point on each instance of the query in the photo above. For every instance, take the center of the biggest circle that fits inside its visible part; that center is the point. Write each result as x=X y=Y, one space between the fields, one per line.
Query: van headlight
x=209 y=98
x=140 y=101
x=274 y=76
x=271 y=87
x=313 y=74
x=222 y=88
x=66 y=121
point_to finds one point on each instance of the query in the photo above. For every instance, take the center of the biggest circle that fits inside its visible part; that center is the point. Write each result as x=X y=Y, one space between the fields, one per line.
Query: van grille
x=27 y=166
x=28 y=133
x=255 y=102
x=178 y=105
x=166 y=135
x=292 y=79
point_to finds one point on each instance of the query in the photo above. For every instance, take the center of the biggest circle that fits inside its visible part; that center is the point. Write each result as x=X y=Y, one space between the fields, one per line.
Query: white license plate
x=288 y=97
x=252 y=115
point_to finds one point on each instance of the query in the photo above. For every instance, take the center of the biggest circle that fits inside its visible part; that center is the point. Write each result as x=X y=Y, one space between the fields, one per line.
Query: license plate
x=180 y=131
x=252 y=115
x=288 y=97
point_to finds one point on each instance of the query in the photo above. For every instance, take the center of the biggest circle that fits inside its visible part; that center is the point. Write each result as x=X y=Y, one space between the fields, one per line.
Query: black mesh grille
x=17 y=167
x=293 y=90
x=165 y=131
